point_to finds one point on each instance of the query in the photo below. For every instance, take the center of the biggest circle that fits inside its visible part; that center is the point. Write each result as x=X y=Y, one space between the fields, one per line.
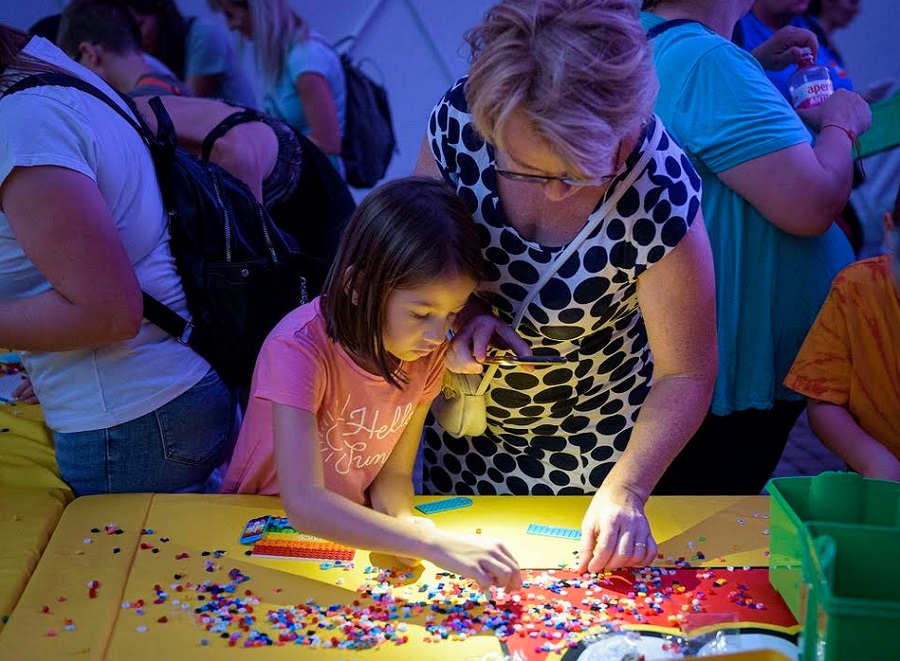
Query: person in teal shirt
x=769 y=195
x=303 y=76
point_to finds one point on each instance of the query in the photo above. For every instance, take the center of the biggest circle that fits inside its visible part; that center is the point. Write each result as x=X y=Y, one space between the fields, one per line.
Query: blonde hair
x=580 y=71
x=275 y=29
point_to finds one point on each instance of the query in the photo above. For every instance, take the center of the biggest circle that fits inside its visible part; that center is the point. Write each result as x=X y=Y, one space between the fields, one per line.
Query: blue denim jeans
x=173 y=449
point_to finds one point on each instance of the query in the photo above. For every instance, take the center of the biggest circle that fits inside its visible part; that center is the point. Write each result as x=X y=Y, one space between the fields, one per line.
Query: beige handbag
x=461 y=406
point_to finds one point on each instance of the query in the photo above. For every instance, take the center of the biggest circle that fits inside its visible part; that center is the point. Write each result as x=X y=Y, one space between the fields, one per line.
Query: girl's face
x=148 y=24
x=237 y=15
x=417 y=320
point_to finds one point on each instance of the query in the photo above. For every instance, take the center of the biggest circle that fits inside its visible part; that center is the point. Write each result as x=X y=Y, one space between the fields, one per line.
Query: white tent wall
x=418 y=49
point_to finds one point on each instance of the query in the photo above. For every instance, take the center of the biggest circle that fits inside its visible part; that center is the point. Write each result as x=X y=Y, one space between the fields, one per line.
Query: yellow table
x=32 y=498
x=732 y=530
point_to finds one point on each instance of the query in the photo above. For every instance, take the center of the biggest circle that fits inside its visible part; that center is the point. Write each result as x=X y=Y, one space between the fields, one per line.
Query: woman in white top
x=82 y=232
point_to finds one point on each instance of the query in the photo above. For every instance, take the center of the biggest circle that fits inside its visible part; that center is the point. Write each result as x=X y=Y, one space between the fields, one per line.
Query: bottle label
x=811 y=94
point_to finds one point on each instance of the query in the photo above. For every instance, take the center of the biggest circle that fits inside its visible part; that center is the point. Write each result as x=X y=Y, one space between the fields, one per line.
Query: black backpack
x=368 y=142
x=241 y=274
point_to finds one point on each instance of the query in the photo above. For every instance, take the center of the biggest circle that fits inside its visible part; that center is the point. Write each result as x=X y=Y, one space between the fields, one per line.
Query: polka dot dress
x=559 y=429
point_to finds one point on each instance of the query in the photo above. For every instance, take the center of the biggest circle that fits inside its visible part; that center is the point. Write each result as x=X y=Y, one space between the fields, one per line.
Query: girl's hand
x=24 y=392
x=615 y=532
x=485 y=560
x=481 y=332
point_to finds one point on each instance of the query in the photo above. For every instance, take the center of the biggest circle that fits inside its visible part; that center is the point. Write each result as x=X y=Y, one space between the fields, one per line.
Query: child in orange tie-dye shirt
x=849 y=365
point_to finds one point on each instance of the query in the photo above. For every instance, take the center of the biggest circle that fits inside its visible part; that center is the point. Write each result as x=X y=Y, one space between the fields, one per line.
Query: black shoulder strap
x=66 y=80
x=220 y=129
x=154 y=311
x=657 y=30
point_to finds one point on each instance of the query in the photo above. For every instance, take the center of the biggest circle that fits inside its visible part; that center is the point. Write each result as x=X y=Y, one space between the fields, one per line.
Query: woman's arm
x=841 y=434
x=64 y=226
x=321 y=112
x=425 y=164
x=677 y=300
x=313 y=508
x=801 y=189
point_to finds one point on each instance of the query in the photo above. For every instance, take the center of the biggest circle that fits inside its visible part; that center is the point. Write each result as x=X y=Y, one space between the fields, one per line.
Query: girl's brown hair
x=403 y=235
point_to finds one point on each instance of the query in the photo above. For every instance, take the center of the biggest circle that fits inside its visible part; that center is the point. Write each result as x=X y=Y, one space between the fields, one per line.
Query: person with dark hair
x=769 y=193
x=47 y=27
x=552 y=143
x=103 y=36
x=131 y=408
x=343 y=384
x=194 y=49
x=849 y=366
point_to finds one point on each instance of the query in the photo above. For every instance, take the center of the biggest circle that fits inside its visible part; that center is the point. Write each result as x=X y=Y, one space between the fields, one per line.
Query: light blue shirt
x=718 y=104
x=208 y=52
x=311 y=56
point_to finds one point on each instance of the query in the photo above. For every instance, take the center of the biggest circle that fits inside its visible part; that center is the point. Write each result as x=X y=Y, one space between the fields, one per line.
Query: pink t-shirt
x=360 y=415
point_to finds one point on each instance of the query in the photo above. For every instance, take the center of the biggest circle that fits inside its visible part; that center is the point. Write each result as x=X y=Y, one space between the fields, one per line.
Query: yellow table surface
x=730 y=531
x=32 y=498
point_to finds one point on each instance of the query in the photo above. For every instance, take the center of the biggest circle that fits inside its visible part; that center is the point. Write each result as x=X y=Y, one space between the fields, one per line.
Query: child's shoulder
x=866 y=273
x=304 y=323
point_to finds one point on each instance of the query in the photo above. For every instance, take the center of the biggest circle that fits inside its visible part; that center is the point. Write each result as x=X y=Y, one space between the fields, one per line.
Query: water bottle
x=810 y=84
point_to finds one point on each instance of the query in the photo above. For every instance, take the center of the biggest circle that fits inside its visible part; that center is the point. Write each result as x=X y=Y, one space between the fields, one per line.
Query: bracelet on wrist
x=854 y=142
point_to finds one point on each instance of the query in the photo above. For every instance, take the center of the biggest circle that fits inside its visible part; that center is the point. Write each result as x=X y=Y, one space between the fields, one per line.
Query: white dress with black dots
x=559 y=429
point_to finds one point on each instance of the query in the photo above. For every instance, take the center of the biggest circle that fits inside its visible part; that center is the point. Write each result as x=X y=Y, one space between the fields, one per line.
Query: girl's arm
x=841 y=434
x=316 y=510
x=63 y=224
x=677 y=300
x=391 y=492
x=321 y=112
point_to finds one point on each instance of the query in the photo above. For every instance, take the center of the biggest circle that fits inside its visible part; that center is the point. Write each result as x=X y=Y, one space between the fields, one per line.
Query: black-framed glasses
x=546 y=179
x=542 y=179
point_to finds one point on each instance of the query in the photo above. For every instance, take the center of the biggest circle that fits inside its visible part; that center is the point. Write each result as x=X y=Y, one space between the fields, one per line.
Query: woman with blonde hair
x=304 y=81
x=552 y=143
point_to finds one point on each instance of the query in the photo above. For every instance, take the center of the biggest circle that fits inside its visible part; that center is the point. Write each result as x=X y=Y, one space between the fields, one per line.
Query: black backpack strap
x=220 y=129
x=154 y=311
x=167 y=319
x=67 y=80
x=657 y=30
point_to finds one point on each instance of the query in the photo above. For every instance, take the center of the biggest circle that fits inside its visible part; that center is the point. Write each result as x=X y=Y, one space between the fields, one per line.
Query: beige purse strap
x=609 y=203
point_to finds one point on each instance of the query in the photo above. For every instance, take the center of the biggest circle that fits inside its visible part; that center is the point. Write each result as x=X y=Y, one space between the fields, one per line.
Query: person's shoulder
x=865 y=274
x=200 y=27
x=302 y=325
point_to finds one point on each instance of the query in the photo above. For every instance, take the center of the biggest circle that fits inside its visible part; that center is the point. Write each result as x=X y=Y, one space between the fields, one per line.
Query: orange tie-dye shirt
x=850 y=357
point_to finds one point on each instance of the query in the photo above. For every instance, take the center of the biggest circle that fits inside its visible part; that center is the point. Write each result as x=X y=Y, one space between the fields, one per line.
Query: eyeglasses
x=542 y=179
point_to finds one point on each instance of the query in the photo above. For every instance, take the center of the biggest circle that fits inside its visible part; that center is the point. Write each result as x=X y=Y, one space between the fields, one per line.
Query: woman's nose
x=557 y=190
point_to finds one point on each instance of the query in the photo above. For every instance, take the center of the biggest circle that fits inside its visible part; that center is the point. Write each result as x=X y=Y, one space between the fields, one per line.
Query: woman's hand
x=24 y=392
x=470 y=346
x=615 y=532
x=845 y=108
x=483 y=559
x=785 y=47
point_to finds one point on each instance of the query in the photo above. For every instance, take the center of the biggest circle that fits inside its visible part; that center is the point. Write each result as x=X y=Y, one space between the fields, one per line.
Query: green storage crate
x=828 y=498
x=852 y=606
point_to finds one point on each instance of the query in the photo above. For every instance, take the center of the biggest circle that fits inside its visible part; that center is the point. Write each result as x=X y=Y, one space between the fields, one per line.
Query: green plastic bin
x=852 y=605
x=827 y=498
